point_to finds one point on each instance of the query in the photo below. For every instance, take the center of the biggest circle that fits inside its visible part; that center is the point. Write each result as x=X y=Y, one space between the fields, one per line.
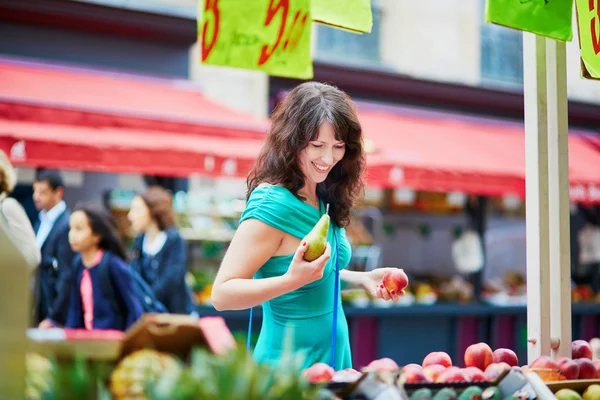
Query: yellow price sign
x=273 y=36
x=352 y=15
x=588 y=21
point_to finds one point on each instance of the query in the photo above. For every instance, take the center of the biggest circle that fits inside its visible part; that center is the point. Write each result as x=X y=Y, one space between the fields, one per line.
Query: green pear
x=567 y=394
x=592 y=393
x=316 y=239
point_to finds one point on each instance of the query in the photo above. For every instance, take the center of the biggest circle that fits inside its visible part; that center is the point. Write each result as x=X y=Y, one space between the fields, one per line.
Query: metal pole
x=558 y=185
x=536 y=178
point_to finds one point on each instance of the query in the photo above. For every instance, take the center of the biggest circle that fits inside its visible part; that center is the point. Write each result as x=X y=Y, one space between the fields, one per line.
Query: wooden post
x=558 y=190
x=536 y=178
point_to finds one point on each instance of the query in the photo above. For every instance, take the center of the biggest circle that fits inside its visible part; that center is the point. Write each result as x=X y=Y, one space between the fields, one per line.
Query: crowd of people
x=83 y=276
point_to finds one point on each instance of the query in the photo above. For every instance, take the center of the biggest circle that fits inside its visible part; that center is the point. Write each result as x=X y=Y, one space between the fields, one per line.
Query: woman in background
x=159 y=252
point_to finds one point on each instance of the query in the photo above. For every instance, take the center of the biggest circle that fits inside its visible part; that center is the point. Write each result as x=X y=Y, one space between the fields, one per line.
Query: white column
x=536 y=175
x=558 y=186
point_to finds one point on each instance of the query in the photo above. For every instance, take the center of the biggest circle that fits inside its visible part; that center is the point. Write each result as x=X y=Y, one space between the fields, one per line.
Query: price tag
x=588 y=21
x=273 y=36
x=551 y=18
x=352 y=15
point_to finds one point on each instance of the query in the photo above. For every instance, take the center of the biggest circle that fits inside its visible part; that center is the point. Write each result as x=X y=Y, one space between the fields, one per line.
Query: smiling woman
x=312 y=157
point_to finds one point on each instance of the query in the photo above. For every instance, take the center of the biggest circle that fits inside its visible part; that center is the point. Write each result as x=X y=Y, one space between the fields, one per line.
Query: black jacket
x=55 y=275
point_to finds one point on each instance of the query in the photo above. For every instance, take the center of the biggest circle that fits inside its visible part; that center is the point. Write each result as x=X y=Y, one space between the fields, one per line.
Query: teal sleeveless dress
x=302 y=317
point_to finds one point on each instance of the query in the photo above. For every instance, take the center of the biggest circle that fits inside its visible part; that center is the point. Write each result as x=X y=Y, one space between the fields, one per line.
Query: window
x=337 y=46
x=501 y=55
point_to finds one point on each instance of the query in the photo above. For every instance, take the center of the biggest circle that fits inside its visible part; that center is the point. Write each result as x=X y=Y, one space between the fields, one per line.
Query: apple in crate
x=319 y=373
x=505 y=355
x=478 y=355
x=581 y=349
x=383 y=364
x=432 y=372
x=413 y=373
x=495 y=369
x=474 y=374
x=568 y=367
x=439 y=358
x=452 y=374
x=587 y=370
x=544 y=362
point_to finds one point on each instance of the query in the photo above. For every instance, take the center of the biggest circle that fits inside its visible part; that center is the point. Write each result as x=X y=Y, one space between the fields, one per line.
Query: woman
x=313 y=156
x=13 y=219
x=159 y=251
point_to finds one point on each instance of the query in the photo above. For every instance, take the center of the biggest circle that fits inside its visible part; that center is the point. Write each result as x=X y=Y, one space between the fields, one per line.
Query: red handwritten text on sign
x=294 y=33
x=595 y=33
x=213 y=7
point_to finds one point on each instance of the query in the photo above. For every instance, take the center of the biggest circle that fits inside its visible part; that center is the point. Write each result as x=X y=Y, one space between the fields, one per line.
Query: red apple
x=478 y=355
x=318 y=373
x=506 y=355
x=413 y=373
x=346 y=375
x=544 y=362
x=581 y=349
x=432 y=372
x=494 y=370
x=383 y=364
x=452 y=374
x=474 y=374
x=597 y=365
x=587 y=370
x=568 y=367
x=395 y=281
x=437 y=357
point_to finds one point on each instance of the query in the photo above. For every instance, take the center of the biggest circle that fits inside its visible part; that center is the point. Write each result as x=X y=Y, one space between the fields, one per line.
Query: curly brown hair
x=295 y=122
x=160 y=203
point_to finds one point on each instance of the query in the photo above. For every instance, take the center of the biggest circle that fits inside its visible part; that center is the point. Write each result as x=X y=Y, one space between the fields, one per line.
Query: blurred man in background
x=53 y=281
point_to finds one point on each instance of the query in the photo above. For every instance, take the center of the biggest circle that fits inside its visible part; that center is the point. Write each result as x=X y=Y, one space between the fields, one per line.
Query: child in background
x=93 y=236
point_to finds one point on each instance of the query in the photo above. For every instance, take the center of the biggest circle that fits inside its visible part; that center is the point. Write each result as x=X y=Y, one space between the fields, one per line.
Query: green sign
x=273 y=36
x=551 y=18
x=352 y=15
x=588 y=20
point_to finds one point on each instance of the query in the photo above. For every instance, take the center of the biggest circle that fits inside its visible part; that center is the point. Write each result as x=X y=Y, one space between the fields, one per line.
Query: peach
x=318 y=373
x=395 y=281
x=413 y=374
x=383 y=364
x=581 y=349
x=478 y=355
x=568 y=367
x=494 y=370
x=432 y=372
x=587 y=370
x=437 y=357
x=544 y=362
x=452 y=374
x=474 y=374
x=505 y=355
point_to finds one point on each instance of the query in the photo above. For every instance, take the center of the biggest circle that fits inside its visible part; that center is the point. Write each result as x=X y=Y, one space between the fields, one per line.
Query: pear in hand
x=316 y=239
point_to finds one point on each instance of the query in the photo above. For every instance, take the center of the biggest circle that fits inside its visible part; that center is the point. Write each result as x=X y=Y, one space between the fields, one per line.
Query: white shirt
x=157 y=244
x=47 y=220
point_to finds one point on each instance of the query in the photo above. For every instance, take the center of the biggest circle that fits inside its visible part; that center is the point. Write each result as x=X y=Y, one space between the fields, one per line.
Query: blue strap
x=249 y=340
x=336 y=293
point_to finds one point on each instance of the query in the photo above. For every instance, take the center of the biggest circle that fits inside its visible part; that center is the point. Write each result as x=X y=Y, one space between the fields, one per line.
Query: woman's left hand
x=372 y=282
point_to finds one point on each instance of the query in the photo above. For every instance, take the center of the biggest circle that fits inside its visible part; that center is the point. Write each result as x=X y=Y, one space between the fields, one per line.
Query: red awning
x=437 y=152
x=125 y=150
x=74 y=96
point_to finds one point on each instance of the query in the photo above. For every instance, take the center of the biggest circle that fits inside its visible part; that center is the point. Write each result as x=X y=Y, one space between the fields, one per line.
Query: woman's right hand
x=302 y=272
